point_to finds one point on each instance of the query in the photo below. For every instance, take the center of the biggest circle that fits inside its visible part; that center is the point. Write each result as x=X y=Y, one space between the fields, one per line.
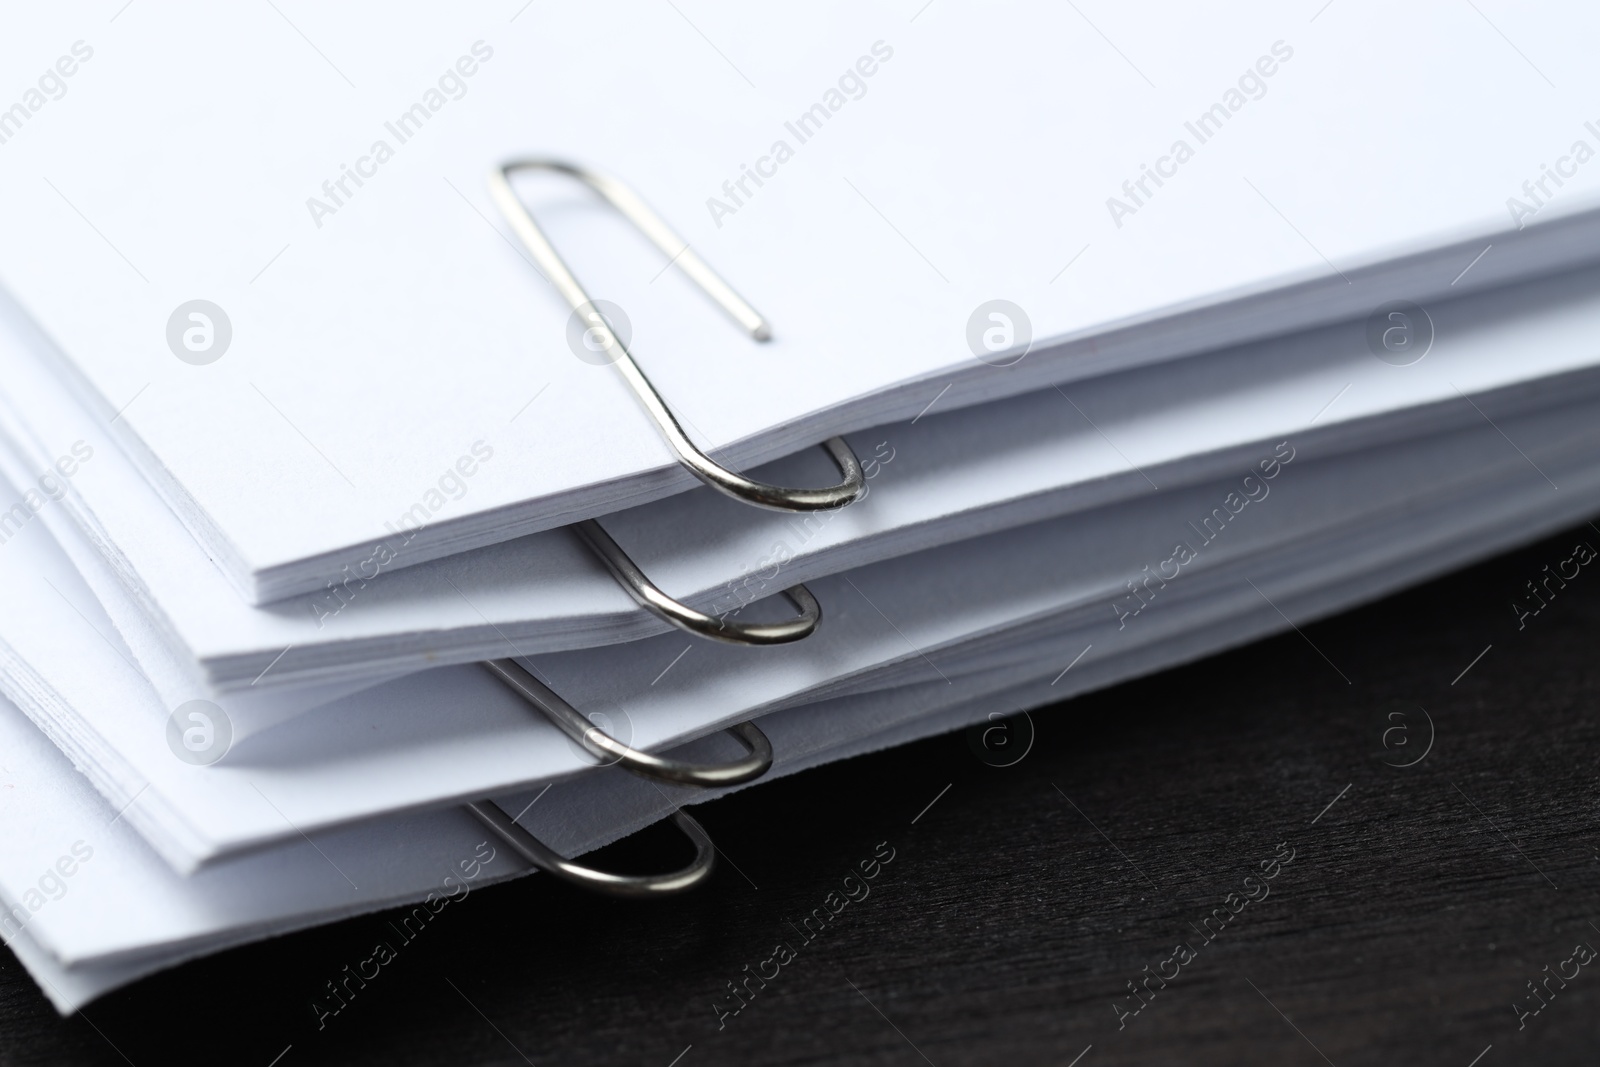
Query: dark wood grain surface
x=1419 y=903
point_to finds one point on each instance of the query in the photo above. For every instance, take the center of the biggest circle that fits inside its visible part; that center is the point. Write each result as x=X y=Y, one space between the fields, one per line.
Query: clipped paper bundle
x=375 y=519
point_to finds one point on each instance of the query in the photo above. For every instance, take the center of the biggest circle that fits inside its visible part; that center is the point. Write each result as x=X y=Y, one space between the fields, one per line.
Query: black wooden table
x=1376 y=841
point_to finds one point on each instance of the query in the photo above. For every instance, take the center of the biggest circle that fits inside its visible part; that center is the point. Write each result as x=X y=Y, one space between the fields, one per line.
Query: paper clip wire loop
x=652 y=599
x=609 y=750
x=534 y=851
x=635 y=210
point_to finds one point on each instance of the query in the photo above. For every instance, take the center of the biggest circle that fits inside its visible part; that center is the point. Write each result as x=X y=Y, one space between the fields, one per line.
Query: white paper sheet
x=455 y=733
x=1328 y=170
x=938 y=479
x=152 y=911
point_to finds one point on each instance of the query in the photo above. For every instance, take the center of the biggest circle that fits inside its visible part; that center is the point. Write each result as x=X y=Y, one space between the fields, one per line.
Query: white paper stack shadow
x=263 y=517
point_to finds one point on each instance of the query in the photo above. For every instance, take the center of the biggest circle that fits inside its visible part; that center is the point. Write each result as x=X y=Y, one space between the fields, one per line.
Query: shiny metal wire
x=609 y=750
x=652 y=599
x=535 y=852
x=549 y=261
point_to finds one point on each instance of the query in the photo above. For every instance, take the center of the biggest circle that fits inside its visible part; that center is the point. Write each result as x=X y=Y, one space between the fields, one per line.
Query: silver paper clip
x=717 y=628
x=758 y=758
x=609 y=750
x=726 y=481
x=650 y=224
x=546 y=859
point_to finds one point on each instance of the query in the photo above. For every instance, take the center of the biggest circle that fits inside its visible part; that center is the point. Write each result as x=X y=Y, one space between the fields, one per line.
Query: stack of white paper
x=291 y=433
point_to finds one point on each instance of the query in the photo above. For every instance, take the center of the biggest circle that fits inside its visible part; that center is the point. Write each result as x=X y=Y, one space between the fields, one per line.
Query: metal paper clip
x=650 y=224
x=535 y=852
x=651 y=598
x=736 y=485
x=609 y=750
